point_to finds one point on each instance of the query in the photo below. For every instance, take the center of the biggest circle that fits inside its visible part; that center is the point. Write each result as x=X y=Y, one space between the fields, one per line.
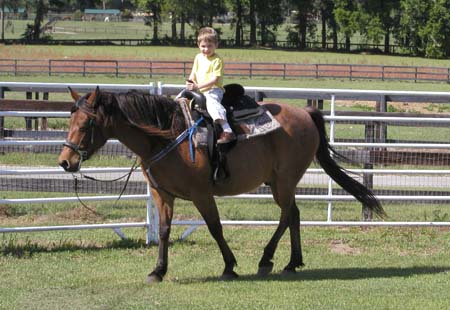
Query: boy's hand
x=191 y=85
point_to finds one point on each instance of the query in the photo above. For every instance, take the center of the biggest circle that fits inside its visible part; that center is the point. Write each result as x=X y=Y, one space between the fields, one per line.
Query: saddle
x=246 y=117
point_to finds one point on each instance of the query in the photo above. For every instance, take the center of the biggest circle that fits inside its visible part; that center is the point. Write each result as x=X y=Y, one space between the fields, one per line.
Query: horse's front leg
x=207 y=207
x=164 y=203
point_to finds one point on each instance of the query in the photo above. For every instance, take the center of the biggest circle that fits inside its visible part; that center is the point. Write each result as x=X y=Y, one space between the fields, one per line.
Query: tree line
x=421 y=28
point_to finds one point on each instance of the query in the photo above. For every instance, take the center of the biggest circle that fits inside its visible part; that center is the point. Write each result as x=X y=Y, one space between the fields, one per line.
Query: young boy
x=207 y=77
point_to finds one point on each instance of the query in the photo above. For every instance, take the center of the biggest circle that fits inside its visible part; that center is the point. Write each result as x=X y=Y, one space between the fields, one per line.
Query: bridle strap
x=76 y=148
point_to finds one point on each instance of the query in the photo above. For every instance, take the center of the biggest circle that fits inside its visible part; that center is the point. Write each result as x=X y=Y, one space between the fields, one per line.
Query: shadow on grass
x=336 y=274
x=27 y=248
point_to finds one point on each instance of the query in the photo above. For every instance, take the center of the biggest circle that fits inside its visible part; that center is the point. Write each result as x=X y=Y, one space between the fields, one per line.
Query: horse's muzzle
x=65 y=164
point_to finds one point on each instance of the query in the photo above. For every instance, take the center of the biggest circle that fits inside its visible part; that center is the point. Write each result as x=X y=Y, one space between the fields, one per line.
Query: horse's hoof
x=288 y=272
x=153 y=278
x=229 y=276
x=264 y=271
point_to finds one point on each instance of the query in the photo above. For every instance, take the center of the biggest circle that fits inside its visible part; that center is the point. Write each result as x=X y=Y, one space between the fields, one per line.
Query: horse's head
x=85 y=134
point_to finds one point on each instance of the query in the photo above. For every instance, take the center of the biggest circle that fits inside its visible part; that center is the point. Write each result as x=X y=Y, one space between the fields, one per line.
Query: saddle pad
x=258 y=126
x=248 y=128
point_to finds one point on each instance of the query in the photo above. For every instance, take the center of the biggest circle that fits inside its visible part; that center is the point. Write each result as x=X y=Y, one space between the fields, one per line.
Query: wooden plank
x=34 y=105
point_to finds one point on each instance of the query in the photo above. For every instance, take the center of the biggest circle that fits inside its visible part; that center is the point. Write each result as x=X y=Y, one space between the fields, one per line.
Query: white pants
x=213 y=106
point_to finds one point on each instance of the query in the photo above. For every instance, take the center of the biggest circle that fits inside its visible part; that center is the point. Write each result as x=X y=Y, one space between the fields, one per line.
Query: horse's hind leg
x=265 y=265
x=296 y=249
x=208 y=209
x=289 y=217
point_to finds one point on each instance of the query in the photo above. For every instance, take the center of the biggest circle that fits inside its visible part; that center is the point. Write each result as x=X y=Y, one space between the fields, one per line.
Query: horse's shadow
x=336 y=274
x=27 y=248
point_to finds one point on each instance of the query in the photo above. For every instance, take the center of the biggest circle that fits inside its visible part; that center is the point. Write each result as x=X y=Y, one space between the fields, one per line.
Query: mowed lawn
x=346 y=268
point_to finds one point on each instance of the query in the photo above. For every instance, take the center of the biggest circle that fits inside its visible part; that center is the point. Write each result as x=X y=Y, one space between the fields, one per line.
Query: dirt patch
x=340 y=247
x=4 y=211
x=75 y=216
x=402 y=107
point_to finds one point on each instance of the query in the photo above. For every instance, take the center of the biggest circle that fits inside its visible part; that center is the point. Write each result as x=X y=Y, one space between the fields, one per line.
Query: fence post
x=2 y=119
x=44 y=122
x=84 y=67
x=15 y=67
x=350 y=68
x=381 y=128
x=448 y=76
x=28 y=120
x=367 y=214
x=259 y=96
x=317 y=71
x=117 y=68
x=251 y=70
x=316 y=103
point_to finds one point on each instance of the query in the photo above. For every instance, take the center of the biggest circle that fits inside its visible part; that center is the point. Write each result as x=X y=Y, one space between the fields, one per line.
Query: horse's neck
x=134 y=139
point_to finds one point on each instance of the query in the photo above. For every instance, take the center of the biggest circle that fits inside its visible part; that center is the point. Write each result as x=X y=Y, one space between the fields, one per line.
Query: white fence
x=317 y=94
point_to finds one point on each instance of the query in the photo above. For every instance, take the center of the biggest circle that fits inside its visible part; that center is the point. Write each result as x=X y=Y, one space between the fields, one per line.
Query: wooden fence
x=85 y=67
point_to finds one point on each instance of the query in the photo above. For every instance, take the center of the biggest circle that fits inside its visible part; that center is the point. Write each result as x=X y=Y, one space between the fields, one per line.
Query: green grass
x=229 y=55
x=345 y=268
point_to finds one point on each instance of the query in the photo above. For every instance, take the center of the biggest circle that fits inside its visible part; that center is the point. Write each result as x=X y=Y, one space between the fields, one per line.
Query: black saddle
x=238 y=105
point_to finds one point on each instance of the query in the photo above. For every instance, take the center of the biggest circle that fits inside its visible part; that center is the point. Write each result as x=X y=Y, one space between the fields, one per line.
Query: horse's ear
x=93 y=96
x=74 y=94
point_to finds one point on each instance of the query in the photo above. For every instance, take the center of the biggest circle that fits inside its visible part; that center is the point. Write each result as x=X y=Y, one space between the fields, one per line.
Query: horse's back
x=287 y=151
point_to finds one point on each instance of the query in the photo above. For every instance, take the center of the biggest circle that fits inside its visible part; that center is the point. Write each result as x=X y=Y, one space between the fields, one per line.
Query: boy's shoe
x=226 y=137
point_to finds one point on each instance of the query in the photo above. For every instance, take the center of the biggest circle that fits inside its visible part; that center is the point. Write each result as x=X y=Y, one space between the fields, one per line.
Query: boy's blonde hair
x=207 y=34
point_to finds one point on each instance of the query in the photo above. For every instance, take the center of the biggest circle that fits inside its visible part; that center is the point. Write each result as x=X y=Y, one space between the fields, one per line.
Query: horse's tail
x=336 y=172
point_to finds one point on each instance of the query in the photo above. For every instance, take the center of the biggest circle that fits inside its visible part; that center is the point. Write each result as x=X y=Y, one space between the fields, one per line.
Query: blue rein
x=187 y=133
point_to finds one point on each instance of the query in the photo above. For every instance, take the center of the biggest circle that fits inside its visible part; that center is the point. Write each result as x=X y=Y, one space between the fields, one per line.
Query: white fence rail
x=170 y=89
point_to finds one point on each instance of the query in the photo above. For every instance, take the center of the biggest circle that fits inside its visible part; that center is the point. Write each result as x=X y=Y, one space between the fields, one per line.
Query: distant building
x=101 y=15
x=14 y=14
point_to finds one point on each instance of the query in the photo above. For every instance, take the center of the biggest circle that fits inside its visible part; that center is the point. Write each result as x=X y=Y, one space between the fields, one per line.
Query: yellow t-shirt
x=205 y=68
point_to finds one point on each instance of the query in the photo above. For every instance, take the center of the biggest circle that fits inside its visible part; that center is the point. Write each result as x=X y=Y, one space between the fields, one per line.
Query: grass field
x=346 y=268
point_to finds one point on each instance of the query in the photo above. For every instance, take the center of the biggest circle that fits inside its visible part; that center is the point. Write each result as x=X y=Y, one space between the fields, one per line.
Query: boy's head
x=207 y=41
x=208 y=35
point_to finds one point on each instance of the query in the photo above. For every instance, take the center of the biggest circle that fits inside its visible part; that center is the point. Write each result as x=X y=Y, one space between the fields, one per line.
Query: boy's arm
x=208 y=83
x=218 y=70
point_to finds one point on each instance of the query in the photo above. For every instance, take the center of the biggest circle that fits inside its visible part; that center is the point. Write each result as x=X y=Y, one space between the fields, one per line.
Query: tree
x=237 y=7
x=175 y=9
x=326 y=8
x=305 y=11
x=3 y=4
x=412 y=24
x=379 y=18
x=154 y=8
x=347 y=18
x=270 y=15
x=437 y=30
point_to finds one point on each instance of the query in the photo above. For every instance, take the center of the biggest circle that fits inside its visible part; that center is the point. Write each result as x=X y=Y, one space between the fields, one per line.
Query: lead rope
x=127 y=175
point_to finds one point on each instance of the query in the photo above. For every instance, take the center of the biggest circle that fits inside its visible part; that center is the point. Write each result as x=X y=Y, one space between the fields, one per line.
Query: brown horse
x=146 y=124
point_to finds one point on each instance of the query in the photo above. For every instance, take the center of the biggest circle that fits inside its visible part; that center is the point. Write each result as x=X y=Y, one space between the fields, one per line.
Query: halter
x=77 y=147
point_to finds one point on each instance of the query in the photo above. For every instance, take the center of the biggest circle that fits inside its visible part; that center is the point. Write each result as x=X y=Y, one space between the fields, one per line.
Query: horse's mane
x=153 y=114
